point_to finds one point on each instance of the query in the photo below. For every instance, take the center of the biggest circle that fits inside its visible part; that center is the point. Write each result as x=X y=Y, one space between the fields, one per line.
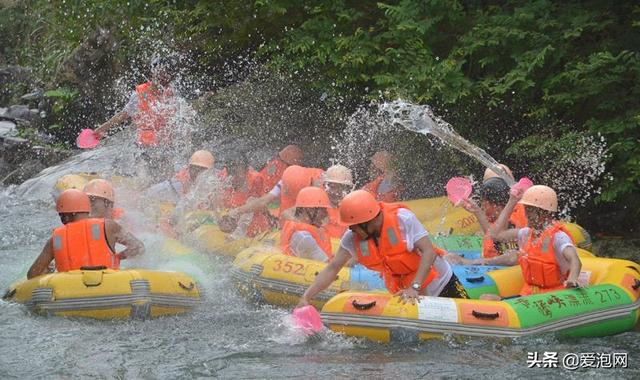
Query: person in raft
x=305 y=235
x=83 y=241
x=338 y=182
x=151 y=107
x=384 y=185
x=494 y=195
x=389 y=238
x=547 y=254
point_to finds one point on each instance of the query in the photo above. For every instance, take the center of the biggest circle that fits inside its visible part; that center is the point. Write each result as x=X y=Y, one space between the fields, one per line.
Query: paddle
x=308 y=319
x=458 y=189
x=87 y=139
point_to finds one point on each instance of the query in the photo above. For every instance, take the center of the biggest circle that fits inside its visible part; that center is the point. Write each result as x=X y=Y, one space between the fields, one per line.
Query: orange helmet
x=338 y=174
x=294 y=179
x=202 y=158
x=380 y=160
x=73 y=200
x=99 y=188
x=291 y=155
x=357 y=207
x=540 y=196
x=488 y=173
x=312 y=197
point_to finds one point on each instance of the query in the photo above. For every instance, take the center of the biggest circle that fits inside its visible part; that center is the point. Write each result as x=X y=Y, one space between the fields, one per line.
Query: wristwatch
x=415 y=286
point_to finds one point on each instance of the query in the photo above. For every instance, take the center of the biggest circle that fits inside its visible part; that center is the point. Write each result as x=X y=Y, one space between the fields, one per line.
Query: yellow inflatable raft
x=265 y=275
x=107 y=294
x=607 y=306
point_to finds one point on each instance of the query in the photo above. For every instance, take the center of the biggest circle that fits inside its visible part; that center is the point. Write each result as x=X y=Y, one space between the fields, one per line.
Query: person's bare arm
x=509 y=258
x=41 y=264
x=575 y=265
x=326 y=276
x=254 y=205
x=499 y=231
x=116 y=119
x=427 y=257
x=117 y=234
x=473 y=208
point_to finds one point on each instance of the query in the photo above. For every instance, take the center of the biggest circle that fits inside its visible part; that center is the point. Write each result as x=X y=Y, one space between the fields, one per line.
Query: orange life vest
x=373 y=186
x=233 y=198
x=184 y=178
x=537 y=260
x=82 y=243
x=334 y=228
x=390 y=257
x=490 y=248
x=318 y=234
x=150 y=119
x=272 y=172
x=289 y=200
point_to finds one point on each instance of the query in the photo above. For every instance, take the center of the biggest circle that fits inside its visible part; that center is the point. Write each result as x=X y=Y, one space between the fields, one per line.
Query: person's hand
x=516 y=193
x=408 y=294
x=121 y=256
x=470 y=206
x=302 y=303
x=98 y=134
x=571 y=284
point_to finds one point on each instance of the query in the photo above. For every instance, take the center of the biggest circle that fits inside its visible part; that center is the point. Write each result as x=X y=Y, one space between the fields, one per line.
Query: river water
x=229 y=337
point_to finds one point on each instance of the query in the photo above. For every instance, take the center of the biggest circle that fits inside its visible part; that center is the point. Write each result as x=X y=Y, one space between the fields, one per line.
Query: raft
x=107 y=294
x=607 y=306
x=264 y=275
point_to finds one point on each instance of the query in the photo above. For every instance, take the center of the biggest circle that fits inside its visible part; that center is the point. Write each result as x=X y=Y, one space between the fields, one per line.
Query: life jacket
x=82 y=243
x=150 y=119
x=491 y=248
x=318 y=234
x=390 y=257
x=272 y=172
x=333 y=227
x=289 y=200
x=372 y=187
x=184 y=178
x=537 y=260
x=233 y=198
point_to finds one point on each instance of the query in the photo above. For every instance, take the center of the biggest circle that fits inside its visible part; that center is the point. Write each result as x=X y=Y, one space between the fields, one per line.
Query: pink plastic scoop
x=458 y=189
x=87 y=139
x=308 y=319
x=523 y=184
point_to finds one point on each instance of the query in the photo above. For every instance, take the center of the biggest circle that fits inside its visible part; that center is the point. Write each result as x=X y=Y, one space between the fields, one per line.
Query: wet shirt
x=305 y=246
x=411 y=230
x=560 y=241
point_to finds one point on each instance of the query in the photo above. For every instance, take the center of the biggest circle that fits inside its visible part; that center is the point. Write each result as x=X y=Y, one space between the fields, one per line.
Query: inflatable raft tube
x=265 y=275
x=107 y=294
x=607 y=306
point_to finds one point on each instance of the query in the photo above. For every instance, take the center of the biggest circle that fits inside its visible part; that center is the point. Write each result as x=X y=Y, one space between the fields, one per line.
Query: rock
x=3 y=111
x=15 y=81
x=5 y=168
x=32 y=96
x=11 y=143
x=24 y=171
x=19 y=111
x=7 y=128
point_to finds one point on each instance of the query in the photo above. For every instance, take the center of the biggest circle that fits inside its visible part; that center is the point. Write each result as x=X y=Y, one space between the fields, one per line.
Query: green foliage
x=500 y=72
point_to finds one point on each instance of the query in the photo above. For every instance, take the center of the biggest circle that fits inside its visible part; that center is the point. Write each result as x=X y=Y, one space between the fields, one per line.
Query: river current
x=228 y=337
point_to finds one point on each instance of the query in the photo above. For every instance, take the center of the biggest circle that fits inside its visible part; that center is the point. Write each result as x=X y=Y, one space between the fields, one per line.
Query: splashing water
x=421 y=119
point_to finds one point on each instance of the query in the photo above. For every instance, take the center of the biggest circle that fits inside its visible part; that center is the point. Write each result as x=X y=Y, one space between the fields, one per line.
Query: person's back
x=83 y=243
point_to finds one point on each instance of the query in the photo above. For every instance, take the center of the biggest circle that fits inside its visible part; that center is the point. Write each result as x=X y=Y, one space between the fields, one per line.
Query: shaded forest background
x=525 y=80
